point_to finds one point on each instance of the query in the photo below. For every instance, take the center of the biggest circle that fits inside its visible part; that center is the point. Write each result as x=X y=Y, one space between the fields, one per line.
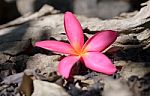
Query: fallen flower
x=89 y=52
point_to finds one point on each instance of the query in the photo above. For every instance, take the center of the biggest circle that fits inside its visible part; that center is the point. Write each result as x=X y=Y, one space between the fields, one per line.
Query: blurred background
x=104 y=9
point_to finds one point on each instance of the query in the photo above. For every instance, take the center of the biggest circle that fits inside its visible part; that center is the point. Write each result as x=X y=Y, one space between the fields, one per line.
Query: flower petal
x=98 y=62
x=56 y=46
x=66 y=64
x=100 y=41
x=73 y=30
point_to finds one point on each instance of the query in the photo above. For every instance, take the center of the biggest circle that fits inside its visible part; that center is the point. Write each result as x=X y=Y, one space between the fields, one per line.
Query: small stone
x=45 y=63
x=42 y=88
x=135 y=69
x=3 y=58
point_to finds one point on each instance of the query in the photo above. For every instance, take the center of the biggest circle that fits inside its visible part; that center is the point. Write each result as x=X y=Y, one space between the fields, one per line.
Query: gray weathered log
x=132 y=24
x=46 y=9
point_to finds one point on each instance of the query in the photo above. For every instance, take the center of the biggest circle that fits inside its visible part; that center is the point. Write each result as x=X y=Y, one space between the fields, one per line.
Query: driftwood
x=46 y=9
x=132 y=24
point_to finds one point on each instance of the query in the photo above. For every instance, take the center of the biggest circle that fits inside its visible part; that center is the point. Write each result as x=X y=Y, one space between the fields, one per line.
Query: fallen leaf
x=26 y=86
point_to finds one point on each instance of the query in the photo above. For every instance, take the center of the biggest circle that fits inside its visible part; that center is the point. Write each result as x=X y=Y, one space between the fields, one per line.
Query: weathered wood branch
x=132 y=24
x=46 y=9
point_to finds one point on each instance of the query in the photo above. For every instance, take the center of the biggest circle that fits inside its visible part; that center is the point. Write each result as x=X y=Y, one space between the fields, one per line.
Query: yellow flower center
x=78 y=50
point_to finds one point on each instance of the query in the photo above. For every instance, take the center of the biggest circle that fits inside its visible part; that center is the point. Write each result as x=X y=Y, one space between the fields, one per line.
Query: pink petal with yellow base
x=56 y=46
x=73 y=31
x=98 y=62
x=100 y=41
x=66 y=65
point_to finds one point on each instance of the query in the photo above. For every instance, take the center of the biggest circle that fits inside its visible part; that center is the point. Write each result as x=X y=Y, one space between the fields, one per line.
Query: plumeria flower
x=89 y=53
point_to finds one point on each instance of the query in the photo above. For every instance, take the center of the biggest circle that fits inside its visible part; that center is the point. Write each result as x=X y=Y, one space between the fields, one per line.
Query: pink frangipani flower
x=89 y=52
